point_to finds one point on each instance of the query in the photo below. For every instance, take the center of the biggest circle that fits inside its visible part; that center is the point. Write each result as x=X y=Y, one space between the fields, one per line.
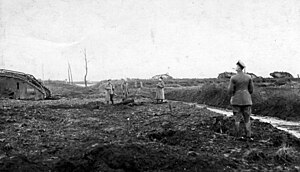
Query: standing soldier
x=109 y=92
x=124 y=87
x=240 y=89
x=160 y=94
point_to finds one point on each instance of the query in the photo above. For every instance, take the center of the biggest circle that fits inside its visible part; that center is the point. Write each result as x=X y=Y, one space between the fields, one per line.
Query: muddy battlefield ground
x=78 y=132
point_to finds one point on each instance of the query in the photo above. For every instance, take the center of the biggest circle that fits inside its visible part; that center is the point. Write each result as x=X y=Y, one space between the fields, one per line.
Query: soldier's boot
x=248 y=129
x=237 y=129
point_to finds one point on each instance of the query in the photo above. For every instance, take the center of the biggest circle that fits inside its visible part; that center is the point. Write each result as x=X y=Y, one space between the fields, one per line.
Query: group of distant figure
x=110 y=91
x=240 y=89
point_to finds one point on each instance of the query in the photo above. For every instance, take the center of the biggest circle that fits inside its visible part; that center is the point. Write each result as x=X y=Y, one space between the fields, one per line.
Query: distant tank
x=252 y=75
x=164 y=76
x=281 y=75
x=18 y=85
x=226 y=75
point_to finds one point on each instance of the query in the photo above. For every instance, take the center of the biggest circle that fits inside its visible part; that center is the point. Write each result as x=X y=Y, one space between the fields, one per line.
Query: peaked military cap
x=241 y=64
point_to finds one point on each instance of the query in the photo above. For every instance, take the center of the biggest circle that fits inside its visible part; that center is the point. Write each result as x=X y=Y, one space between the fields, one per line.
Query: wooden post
x=170 y=107
x=141 y=84
x=135 y=84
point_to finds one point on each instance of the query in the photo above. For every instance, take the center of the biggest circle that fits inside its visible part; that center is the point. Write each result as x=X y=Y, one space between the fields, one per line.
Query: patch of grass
x=284 y=104
x=211 y=94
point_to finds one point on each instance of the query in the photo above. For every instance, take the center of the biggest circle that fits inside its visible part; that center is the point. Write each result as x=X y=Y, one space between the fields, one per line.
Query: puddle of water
x=83 y=85
x=224 y=112
x=290 y=127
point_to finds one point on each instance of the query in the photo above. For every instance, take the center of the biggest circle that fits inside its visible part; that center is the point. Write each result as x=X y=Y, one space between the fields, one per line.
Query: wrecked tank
x=281 y=75
x=18 y=85
x=226 y=75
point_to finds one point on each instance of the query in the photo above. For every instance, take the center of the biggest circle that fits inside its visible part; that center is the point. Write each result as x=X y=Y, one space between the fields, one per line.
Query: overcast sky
x=142 y=38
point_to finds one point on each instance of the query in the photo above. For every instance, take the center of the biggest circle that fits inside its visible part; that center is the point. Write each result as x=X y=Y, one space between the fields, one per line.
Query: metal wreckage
x=18 y=85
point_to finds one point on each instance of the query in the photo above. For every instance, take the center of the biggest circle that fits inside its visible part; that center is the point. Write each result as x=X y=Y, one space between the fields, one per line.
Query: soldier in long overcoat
x=240 y=88
x=160 y=93
x=124 y=87
x=109 y=92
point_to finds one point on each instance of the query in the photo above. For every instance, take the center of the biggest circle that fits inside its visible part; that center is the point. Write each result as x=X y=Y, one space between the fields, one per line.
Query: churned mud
x=84 y=134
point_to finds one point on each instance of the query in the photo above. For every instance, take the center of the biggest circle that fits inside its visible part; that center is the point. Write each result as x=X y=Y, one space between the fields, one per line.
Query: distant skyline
x=143 y=38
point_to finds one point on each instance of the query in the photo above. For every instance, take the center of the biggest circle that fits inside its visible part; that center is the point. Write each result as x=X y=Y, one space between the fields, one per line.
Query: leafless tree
x=70 y=74
x=86 y=68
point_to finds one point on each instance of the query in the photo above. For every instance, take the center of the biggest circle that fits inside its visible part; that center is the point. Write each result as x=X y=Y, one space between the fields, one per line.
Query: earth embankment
x=282 y=103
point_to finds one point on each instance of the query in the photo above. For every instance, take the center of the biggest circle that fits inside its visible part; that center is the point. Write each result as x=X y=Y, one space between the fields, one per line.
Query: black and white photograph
x=149 y=85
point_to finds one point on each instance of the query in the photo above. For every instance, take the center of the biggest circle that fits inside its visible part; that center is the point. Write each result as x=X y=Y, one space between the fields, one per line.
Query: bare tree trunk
x=86 y=68
x=70 y=74
x=69 y=79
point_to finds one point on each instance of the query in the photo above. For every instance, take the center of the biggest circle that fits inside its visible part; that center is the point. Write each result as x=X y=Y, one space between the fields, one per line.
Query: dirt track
x=86 y=135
